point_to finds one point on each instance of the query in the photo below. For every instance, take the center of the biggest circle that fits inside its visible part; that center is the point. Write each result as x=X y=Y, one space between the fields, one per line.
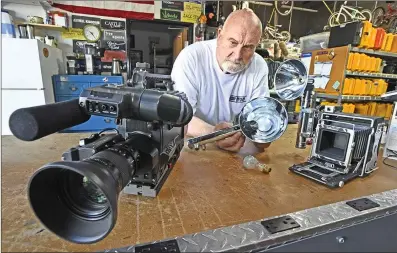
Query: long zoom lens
x=77 y=200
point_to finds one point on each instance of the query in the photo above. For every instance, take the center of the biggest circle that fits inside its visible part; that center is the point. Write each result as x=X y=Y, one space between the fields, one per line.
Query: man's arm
x=182 y=75
x=198 y=127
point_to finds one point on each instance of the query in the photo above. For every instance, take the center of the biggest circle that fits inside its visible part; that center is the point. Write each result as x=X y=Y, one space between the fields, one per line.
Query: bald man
x=220 y=76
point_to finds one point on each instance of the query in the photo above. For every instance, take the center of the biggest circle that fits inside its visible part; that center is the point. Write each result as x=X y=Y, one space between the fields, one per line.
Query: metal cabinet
x=68 y=87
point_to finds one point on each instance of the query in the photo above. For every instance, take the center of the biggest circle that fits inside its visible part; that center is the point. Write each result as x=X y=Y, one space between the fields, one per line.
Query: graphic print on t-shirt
x=237 y=99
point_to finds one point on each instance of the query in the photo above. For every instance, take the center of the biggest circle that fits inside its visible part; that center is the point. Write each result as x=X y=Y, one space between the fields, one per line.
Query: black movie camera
x=76 y=198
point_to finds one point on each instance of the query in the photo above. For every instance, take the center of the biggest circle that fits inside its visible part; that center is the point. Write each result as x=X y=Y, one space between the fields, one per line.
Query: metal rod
x=290 y=20
x=305 y=113
x=262 y=3
x=217 y=11
x=199 y=141
x=154 y=58
x=298 y=8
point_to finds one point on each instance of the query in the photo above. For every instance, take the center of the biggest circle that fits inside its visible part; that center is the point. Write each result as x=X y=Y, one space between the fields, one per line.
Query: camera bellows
x=361 y=133
x=32 y=123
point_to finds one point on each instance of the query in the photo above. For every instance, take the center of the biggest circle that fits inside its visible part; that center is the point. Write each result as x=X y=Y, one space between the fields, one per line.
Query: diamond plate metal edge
x=252 y=235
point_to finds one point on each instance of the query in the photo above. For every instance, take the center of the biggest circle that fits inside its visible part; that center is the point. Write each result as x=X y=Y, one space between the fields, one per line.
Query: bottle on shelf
x=350 y=61
x=380 y=110
x=372 y=108
x=394 y=44
x=383 y=46
x=357 y=87
x=367 y=88
x=346 y=86
x=380 y=36
x=364 y=42
x=361 y=108
x=378 y=65
x=372 y=38
x=389 y=111
x=356 y=62
x=389 y=42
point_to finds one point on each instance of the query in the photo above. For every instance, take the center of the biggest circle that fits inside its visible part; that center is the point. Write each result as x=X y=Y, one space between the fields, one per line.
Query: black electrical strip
x=362 y=204
x=388 y=157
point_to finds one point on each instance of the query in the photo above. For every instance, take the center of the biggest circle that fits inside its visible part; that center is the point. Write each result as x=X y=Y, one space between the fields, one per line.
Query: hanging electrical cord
x=388 y=157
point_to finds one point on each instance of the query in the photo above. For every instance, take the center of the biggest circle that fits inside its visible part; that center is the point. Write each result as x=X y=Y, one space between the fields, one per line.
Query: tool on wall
x=153 y=41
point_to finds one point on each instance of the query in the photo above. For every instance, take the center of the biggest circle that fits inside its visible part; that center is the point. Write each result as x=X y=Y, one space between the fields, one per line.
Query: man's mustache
x=235 y=62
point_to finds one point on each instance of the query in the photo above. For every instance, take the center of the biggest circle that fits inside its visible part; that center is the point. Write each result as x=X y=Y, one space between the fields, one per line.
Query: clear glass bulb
x=251 y=162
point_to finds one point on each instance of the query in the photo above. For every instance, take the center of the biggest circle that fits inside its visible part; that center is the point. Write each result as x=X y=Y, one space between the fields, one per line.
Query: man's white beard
x=231 y=67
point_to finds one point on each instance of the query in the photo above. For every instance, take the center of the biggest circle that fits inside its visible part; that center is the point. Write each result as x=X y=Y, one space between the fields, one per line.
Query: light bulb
x=251 y=162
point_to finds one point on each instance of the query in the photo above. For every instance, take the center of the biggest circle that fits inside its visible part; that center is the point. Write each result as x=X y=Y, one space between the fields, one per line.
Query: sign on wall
x=73 y=33
x=181 y=11
x=115 y=35
x=170 y=15
x=192 y=7
x=172 y=5
x=114 y=45
x=81 y=21
x=79 y=45
x=112 y=24
x=107 y=66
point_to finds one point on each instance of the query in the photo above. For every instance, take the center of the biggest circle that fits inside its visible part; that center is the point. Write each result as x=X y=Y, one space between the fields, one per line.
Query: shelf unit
x=373 y=52
x=351 y=97
x=46 y=26
x=339 y=72
x=371 y=75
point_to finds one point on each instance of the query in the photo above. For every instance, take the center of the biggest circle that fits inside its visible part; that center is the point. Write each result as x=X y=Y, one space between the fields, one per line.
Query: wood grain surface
x=206 y=190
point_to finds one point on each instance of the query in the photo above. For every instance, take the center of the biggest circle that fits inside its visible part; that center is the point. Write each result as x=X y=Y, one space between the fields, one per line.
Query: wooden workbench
x=206 y=190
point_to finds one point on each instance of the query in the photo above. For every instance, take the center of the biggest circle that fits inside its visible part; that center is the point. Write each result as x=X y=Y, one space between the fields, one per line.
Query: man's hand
x=262 y=146
x=231 y=143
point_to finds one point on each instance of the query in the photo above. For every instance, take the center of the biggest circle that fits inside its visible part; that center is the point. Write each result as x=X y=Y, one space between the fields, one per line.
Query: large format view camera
x=76 y=198
x=345 y=146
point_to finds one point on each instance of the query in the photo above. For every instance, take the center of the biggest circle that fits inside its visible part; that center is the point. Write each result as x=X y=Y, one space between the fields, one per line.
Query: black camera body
x=136 y=157
x=156 y=146
x=157 y=139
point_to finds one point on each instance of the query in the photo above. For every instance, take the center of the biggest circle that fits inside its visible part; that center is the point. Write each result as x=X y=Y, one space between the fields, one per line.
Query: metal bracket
x=160 y=247
x=362 y=204
x=280 y=224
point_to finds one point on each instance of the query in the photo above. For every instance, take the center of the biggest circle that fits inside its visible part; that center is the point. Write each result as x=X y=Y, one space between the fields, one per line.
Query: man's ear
x=219 y=31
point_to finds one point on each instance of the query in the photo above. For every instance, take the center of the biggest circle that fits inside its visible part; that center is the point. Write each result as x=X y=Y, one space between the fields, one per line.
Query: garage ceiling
x=29 y=2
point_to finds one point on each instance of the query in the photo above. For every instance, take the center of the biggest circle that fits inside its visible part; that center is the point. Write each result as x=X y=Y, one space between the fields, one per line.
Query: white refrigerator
x=27 y=69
